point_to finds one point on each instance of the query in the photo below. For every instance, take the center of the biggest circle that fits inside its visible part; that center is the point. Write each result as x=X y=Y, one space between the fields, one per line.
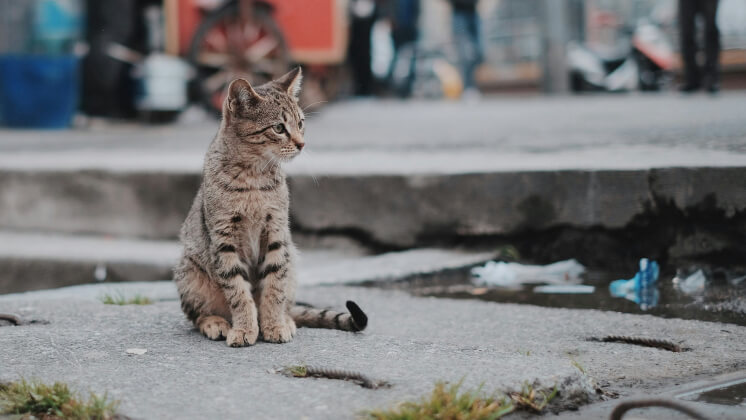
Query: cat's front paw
x=241 y=338
x=214 y=327
x=280 y=332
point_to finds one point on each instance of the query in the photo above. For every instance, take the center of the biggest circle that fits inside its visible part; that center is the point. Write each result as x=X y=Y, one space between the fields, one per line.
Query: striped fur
x=307 y=316
x=236 y=277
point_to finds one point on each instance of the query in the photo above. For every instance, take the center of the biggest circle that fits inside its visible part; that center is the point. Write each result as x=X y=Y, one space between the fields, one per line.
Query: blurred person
x=363 y=16
x=468 y=42
x=404 y=16
x=694 y=76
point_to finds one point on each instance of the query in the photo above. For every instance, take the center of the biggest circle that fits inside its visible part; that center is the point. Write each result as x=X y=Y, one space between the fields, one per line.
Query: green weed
x=54 y=401
x=118 y=298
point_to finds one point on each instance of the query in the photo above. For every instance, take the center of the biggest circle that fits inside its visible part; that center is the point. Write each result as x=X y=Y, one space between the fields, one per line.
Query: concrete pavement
x=411 y=342
x=605 y=179
x=403 y=137
x=32 y=261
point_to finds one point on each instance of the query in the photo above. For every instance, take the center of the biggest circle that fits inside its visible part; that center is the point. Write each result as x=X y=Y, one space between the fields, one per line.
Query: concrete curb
x=392 y=211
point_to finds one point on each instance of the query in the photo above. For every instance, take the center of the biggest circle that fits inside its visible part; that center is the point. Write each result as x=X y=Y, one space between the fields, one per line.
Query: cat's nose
x=300 y=145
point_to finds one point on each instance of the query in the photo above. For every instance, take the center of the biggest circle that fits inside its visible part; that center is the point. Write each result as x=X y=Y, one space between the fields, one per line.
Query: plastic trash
x=736 y=281
x=511 y=274
x=565 y=289
x=691 y=284
x=642 y=288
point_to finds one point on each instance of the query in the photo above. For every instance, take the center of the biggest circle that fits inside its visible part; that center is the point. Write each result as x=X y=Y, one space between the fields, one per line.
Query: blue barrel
x=38 y=91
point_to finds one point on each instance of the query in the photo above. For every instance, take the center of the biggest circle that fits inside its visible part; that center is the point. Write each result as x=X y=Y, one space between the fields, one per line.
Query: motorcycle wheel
x=227 y=46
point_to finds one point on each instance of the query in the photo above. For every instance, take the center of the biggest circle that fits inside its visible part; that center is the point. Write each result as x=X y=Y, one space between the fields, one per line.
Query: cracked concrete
x=412 y=342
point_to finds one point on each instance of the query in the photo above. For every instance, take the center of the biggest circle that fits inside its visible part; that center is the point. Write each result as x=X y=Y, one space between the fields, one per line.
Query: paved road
x=375 y=136
x=412 y=342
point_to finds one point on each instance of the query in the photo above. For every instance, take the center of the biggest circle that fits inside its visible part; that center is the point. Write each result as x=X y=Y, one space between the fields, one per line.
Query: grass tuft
x=299 y=371
x=54 y=401
x=118 y=298
x=577 y=365
x=532 y=399
x=448 y=403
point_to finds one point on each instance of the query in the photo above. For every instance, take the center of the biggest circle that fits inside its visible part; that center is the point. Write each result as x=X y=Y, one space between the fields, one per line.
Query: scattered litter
x=478 y=291
x=642 y=288
x=736 y=281
x=138 y=352
x=302 y=371
x=625 y=406
x=569 y=289
x=11 y=319
x=499 y=273
x=15 y=320
x=99 y=273
x=691 y=284
x=640 y=341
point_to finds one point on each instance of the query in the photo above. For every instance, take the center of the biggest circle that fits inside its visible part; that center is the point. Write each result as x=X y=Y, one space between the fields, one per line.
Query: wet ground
x=721 y=300
x=731 y=393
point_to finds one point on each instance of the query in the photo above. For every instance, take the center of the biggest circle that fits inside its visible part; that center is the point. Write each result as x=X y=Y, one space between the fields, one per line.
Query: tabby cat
x=236 y=277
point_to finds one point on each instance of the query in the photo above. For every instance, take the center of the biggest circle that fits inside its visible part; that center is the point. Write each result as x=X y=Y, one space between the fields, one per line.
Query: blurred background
x=153 y=59
x=537 y=131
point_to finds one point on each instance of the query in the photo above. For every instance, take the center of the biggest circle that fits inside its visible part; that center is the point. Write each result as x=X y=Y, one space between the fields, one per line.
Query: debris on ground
x=641 y=341
x=690 y=284
x=10 y=319
x=512 y=274
x=566 y=289
x=642 y=288
x=302 y=371
x=136 y=352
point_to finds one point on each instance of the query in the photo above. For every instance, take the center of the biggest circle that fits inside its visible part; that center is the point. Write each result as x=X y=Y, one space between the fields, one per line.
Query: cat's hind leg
x=202 y=300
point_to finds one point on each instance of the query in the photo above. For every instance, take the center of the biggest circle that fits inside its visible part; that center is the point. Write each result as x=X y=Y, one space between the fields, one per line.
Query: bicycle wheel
x=229 y=44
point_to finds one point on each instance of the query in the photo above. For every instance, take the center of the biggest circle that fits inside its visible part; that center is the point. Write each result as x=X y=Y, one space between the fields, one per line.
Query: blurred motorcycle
x=643 y=62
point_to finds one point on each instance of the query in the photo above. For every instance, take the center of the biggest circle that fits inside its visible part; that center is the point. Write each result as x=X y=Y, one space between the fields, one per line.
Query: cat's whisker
x=315 y=103
x=266 y=164
x=315 y=180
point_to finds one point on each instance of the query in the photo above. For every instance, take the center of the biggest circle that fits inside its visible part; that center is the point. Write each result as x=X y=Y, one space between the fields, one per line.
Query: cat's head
x=265 y=121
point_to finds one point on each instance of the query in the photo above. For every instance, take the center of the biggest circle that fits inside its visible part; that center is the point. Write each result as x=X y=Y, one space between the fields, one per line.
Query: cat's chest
x=258 y=218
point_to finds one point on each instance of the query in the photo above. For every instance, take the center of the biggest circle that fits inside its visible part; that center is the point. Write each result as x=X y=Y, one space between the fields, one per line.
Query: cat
x=236 y=276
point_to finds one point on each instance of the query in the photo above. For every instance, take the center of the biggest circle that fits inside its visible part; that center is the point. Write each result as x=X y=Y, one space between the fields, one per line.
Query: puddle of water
x=719 y=303
x=731 y=393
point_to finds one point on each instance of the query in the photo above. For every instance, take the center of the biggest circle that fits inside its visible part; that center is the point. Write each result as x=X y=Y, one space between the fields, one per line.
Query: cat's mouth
x=287 y=154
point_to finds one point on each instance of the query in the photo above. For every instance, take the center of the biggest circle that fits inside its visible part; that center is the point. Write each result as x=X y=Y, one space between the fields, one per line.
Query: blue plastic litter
x=642 y=288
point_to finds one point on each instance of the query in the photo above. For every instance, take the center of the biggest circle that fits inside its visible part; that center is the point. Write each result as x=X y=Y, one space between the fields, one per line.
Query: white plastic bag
x=504 y=274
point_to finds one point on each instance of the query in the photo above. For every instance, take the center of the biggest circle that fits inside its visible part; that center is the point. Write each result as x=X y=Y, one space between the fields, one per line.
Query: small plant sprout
x=577 y=365
x=532 y=399
x=118 y=298
x=298 y=371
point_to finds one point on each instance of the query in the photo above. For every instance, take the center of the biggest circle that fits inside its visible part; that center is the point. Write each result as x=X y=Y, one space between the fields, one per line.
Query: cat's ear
x=240 y=95
x=290 y=82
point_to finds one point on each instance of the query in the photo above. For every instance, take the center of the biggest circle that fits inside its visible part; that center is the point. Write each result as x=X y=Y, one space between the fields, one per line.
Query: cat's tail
x=308 y=316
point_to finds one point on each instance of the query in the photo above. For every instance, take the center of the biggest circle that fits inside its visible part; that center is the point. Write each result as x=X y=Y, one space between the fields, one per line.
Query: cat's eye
x=300 y=125
x=279 y=128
